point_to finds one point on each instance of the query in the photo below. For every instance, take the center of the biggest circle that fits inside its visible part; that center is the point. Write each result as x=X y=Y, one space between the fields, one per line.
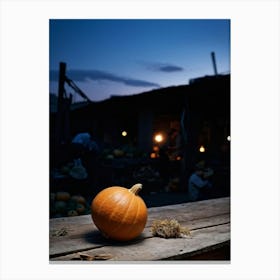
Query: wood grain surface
x=78 y=239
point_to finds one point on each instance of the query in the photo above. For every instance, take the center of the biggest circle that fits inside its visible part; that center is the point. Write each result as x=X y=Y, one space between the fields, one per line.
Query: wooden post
x=62 y=71
x=59 y=114
x=214 y=63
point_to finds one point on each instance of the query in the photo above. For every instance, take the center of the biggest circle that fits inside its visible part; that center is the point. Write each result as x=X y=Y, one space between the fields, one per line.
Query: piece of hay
x=87 y=257
x=61 y=232
x=169 y=229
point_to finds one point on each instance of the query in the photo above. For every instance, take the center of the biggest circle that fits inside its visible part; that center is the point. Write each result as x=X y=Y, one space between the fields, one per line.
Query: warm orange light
x=158 y=138
x=155 y=148
x=153 y=155
x=201 y=149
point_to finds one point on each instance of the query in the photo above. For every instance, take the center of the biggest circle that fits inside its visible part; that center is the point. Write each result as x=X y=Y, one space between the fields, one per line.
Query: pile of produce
x=146 y=173
x=125 y=151
x=63 y=204
x=75 y=170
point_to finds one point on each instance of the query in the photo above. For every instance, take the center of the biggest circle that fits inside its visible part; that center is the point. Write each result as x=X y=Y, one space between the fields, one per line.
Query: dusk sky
x=121 y=57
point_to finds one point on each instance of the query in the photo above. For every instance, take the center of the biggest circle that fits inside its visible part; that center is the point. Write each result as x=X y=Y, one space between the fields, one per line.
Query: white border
x=255 y=137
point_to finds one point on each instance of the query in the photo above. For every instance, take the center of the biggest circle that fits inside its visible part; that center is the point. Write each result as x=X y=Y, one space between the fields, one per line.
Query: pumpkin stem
x=135 y=189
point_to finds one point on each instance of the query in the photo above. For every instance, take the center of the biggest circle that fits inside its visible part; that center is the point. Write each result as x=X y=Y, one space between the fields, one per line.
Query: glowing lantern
x=153 y=155
x=201 y=149
x=124 y=133
x=158 y=138
x=228 y=138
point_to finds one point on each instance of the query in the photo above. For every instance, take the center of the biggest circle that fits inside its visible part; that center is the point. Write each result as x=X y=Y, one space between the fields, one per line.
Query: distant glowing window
x=124 y=133
x=201 y=149
x=158 y=138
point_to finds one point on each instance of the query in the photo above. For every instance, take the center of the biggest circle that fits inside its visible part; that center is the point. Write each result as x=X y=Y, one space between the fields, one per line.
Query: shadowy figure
x=199 y=185
x=85 y=151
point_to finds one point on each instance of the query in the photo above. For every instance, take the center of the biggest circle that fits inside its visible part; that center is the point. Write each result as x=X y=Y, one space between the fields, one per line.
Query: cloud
x=165 y=67
x=170 y=68
x=96 y=75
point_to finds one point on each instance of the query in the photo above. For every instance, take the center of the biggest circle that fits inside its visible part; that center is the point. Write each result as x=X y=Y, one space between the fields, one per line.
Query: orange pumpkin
x=62 y=196
x=119 y=213
x=79 y=199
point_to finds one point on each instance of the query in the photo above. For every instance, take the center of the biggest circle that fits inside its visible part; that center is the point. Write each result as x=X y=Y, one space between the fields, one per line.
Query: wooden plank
x=151 y=249
x=220 y=252
x=210 y=203
x=86 y=238
x=193 y=210
x=81 y=234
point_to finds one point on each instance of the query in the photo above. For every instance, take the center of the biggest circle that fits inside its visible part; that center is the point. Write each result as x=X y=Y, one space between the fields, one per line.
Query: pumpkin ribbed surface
x=119 y=213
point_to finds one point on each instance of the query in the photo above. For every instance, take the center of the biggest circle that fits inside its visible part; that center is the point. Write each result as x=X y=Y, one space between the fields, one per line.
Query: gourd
x=119 y=213
x=79 y=199
x=62 y=196
x=60 y=207
x=80 y=208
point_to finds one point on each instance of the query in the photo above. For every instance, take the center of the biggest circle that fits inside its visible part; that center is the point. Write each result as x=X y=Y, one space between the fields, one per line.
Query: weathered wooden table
x=77 y=238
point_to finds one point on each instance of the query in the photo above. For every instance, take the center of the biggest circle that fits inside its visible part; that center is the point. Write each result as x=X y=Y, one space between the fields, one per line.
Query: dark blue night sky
x=120 y=57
